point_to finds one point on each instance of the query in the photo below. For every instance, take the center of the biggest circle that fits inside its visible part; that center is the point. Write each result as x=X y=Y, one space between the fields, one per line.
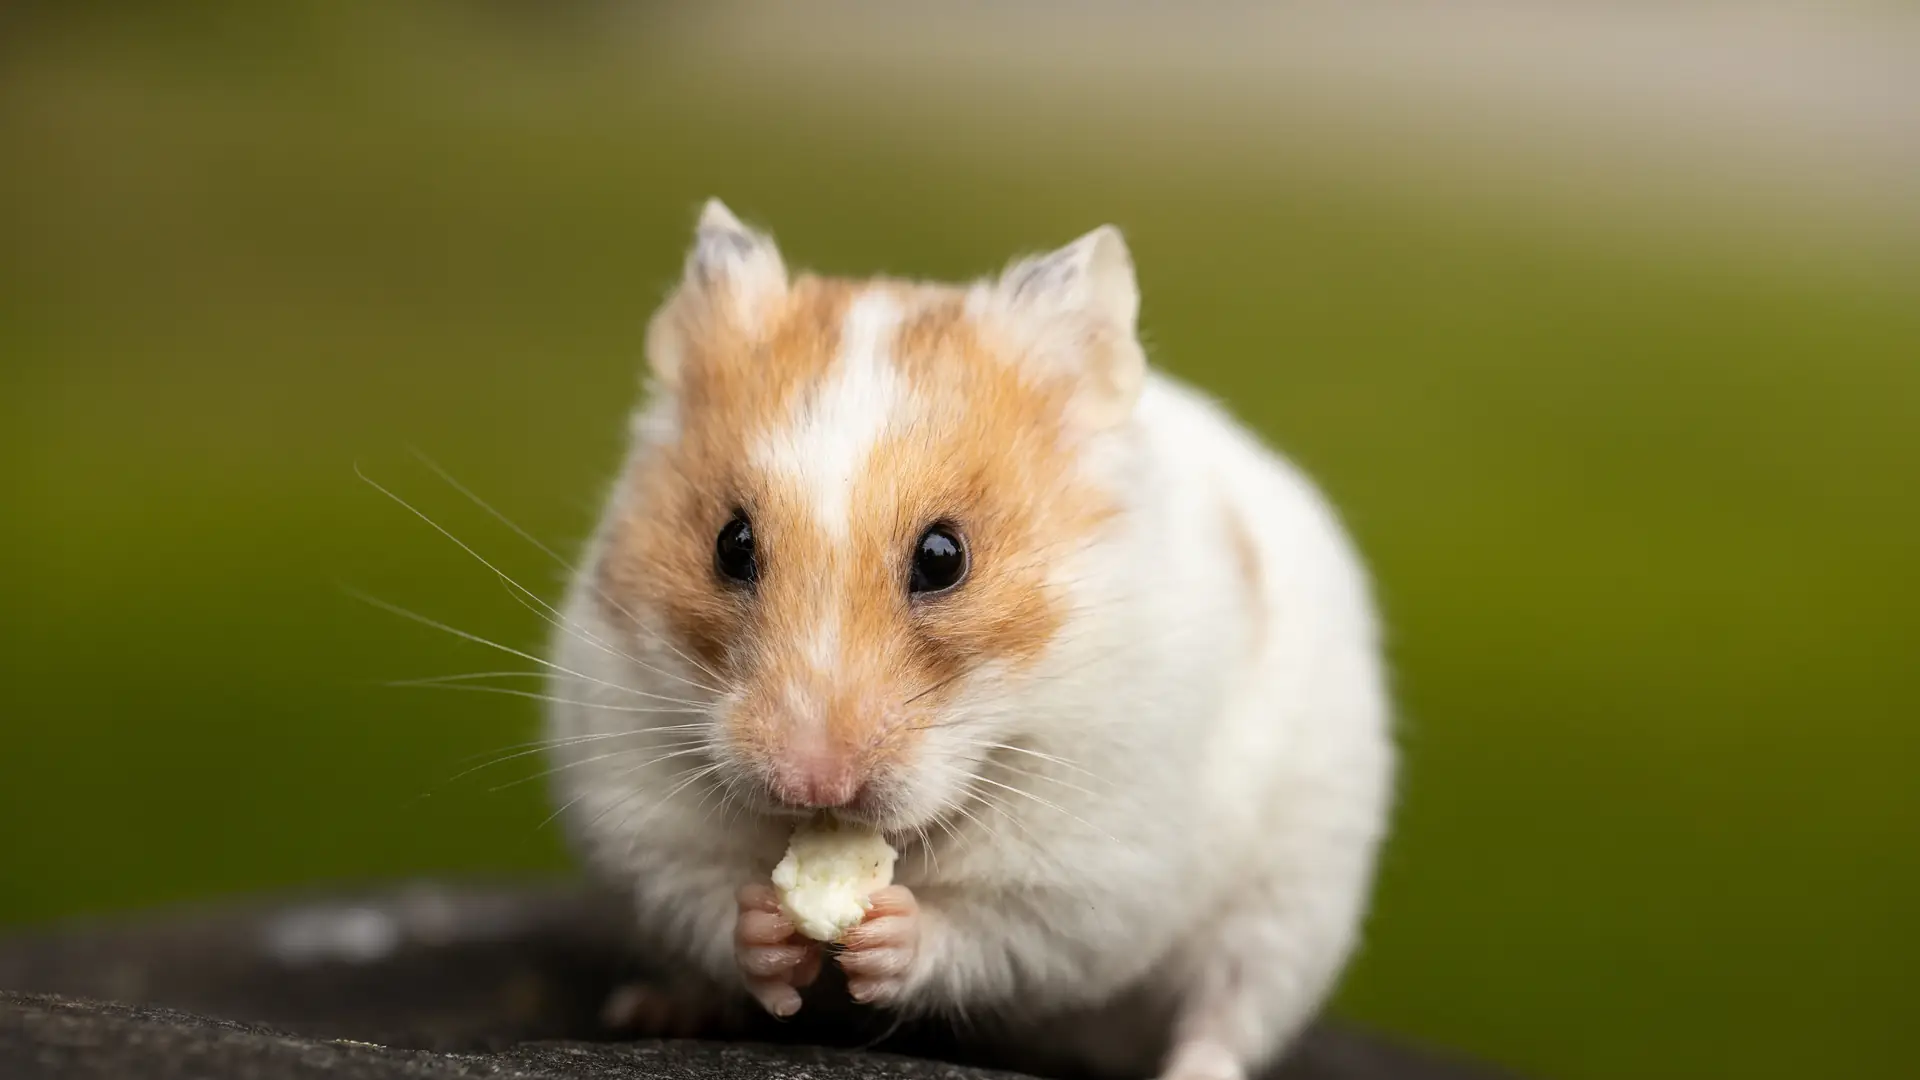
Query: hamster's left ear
x=730 y=257
x=732 y=279
x=1080 y=305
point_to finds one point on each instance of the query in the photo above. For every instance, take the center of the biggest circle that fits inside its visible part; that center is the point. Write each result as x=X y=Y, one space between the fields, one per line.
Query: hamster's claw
x=879 y=953
x=775 y=961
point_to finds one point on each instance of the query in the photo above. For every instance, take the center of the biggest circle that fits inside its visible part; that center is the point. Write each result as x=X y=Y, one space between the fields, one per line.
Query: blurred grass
x=1642 y=513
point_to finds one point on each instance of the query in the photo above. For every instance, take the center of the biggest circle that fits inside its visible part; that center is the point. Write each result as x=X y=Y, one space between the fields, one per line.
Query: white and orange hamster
x=955 y=562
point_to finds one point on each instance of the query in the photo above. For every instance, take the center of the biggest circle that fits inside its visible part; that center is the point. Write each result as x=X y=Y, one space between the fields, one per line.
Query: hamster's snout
x=816 y=781
x=813 y=737
x=813 y=770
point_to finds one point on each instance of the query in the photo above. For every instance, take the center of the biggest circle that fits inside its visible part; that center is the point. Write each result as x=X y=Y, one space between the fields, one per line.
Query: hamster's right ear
x=1079 y=306
x=733 y=277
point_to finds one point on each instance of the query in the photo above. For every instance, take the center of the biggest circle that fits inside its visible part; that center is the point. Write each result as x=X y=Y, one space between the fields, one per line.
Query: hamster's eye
x=733 y=551
x=939 y=561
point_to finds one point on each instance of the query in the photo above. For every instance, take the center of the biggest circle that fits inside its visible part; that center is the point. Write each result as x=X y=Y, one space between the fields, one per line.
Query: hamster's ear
x=729 y=256
x=732 y=278
x=1079 y=306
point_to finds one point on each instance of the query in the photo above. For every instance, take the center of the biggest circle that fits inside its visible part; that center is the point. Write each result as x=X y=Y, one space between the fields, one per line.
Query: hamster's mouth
x=865 y=810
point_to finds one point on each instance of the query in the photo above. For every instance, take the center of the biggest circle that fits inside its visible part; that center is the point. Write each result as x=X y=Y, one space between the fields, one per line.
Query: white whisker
x=559 y=621
x=693 y=747
x=1051 y=758
x=947 y=827
x=999 y=805
x=468 y=676
x=1048 y=777
x=926 y=845
x=979 y=824
x=423 y=620
x=632 y=828
x=593 y=640
x=567 y=740
x=570 y=568
x=1056 y=807
x=528 y=750
x=696 y=707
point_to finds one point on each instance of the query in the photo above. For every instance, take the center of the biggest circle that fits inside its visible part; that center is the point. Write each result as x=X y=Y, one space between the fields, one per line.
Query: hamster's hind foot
x=1202 y=1059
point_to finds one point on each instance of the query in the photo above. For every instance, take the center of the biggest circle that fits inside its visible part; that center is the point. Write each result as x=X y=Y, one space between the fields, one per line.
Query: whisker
x=564 y=564
x=1043 y=756
x=1038 y=775
x=926 y=845
x=595 y=736
x=1049 y=804
x=947 y=827
x=995 y=804
x=562 y=622
x=960 y=806
x=468 y=676
x=955 y=722
x=503 y=754
x=563 y=808
x=668 y=797
x=423 y=620
x=712 y=790
x=735 y=805
x=512 y=692
x=578 y=740
x=620 y=802
x=999 y=806
x=992 y=835
x=693 y=747
x=558 y=620
x=941 y=684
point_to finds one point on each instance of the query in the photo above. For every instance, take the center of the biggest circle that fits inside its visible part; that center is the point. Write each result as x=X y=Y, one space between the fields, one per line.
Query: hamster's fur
x=1137 y=762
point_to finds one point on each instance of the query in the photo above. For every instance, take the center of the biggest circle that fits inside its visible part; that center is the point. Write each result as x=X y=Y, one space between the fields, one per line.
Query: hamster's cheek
x=922 y=794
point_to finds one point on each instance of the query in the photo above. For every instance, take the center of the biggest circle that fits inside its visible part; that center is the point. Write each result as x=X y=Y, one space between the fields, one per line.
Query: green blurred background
x=1636 y=472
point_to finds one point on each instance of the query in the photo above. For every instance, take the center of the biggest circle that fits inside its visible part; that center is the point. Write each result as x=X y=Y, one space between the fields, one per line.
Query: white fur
x=823 y=449
x=1182 y=896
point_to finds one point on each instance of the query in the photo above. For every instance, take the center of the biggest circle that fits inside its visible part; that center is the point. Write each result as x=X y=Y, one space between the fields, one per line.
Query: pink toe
x=765 y=963
x=758 y=898
x=873 y=991
x=875 y=963
x=762 y=928
x=892 y=900
x=776 y=997
x=888 y=932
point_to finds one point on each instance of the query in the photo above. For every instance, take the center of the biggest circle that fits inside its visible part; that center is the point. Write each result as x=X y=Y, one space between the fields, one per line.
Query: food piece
x=828 y=874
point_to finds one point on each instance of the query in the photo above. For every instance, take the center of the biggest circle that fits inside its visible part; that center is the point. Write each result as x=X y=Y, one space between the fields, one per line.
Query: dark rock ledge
x=436 y=981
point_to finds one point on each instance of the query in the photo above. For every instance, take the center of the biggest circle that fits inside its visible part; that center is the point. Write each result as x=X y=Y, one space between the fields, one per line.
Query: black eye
x=733 y=551
x=939 y=561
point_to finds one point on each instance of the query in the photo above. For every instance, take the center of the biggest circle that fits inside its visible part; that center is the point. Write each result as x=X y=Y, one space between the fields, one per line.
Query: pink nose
x=815 y=781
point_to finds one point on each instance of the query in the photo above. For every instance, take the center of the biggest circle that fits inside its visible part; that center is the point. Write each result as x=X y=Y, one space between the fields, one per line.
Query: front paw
x=879 y=954
x=774 y=960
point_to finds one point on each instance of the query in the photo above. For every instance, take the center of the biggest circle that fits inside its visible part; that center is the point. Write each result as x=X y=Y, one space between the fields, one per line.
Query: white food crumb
x=828 y=874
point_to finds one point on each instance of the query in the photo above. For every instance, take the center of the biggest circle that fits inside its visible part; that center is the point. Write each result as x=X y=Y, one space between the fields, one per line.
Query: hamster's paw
x=660 y=1011
x=774 y=960
x=1202 y=1059
x=878 y=955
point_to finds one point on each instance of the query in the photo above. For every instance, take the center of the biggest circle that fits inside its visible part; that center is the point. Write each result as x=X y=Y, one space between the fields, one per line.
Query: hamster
x=954 y=561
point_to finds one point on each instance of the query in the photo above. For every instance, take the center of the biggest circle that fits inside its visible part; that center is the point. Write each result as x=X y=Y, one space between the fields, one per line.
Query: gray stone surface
x=45 y=1036
x=429 y=981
